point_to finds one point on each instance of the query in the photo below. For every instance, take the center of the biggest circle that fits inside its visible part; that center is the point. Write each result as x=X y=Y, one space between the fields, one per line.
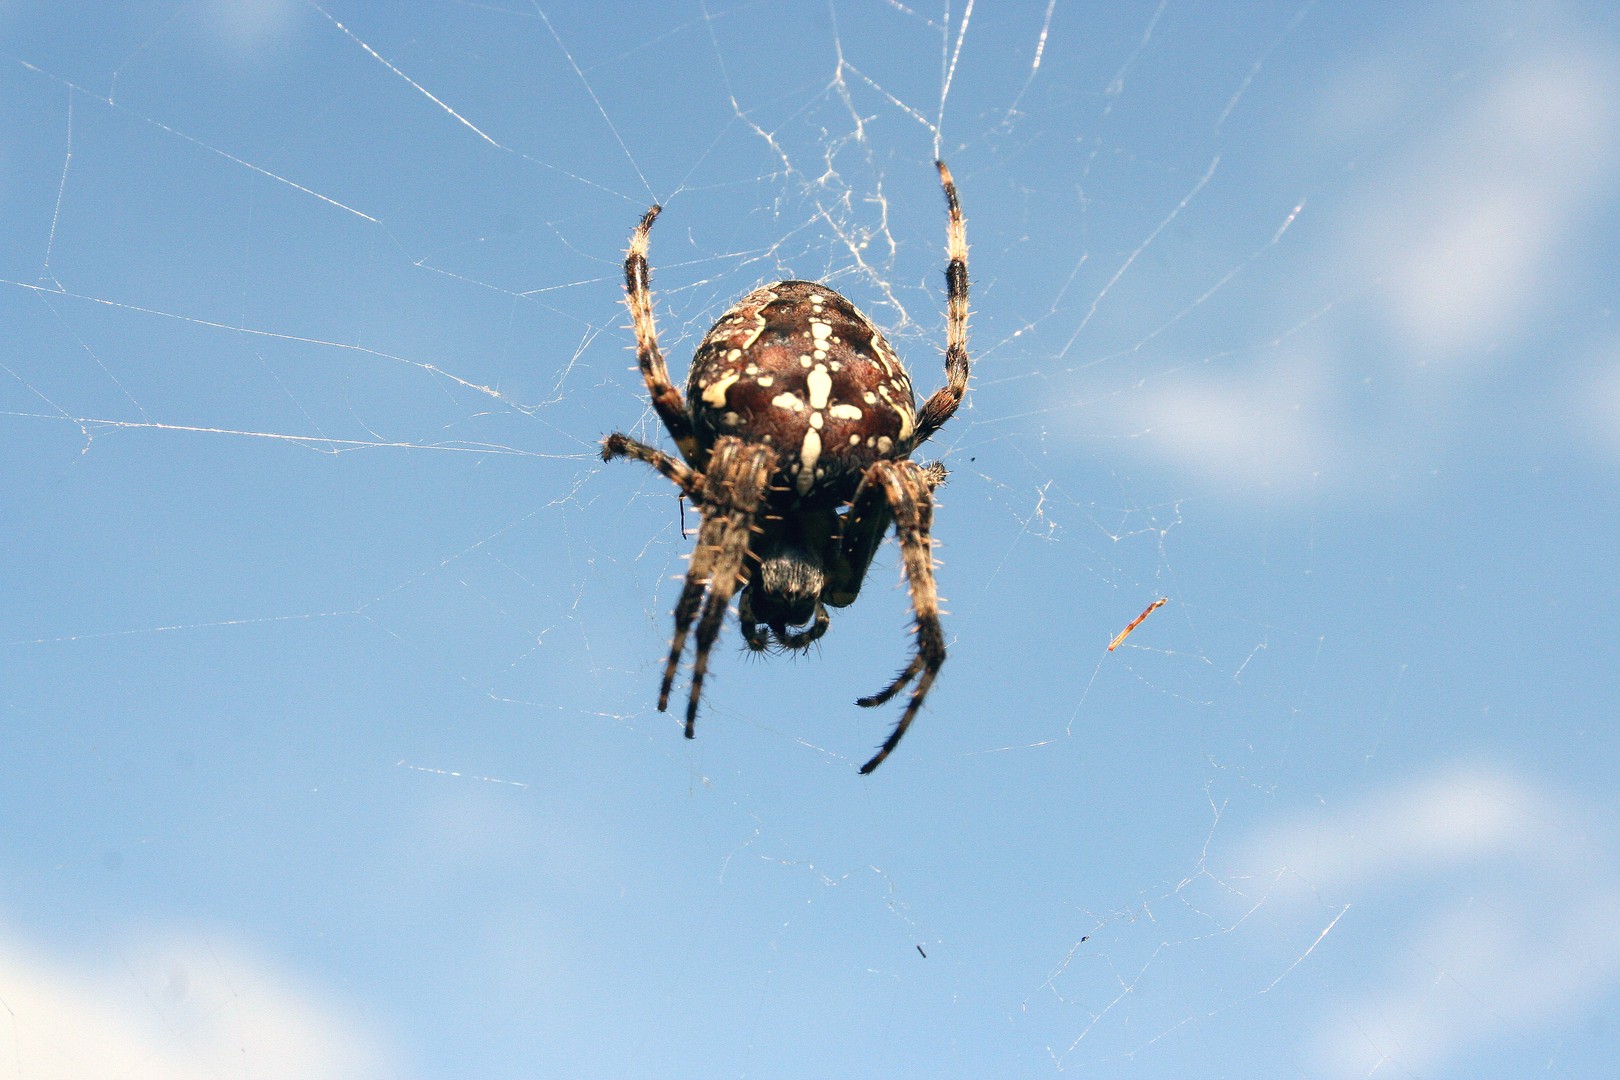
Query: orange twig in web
x=1125 y=633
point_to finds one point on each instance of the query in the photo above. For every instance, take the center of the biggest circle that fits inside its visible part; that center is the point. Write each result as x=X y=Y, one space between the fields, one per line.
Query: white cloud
x=1253 y=428
x=1478 y=977
x=190 y=1008
x=1444 y=258
x=1463 y=234
x=1433 y=824
x=1493 y=918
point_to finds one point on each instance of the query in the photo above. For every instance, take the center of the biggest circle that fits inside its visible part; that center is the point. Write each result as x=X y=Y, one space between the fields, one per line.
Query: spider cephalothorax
x=796 y=437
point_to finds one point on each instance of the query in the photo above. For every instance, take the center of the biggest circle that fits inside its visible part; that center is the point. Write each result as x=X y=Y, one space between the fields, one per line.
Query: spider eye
x=789 y=586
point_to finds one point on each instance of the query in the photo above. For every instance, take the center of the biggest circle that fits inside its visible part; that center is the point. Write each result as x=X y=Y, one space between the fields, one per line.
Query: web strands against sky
x=1224 y=287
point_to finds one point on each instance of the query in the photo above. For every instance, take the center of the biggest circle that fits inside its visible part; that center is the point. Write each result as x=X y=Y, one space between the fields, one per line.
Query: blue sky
x=329 y=649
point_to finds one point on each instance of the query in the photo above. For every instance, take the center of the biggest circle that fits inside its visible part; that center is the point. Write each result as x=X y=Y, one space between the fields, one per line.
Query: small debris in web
x=1125 y=633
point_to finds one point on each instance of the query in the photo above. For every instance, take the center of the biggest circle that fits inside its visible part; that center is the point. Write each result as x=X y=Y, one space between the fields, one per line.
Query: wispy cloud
x=1440 y=260
x=1464 y=235
x=1495 y=918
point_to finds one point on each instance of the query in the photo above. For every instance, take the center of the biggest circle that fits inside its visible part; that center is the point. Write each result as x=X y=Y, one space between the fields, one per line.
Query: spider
x=795 y=442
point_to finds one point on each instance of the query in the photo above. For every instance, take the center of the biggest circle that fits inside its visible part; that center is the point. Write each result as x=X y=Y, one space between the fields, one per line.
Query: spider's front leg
x=666 y=399
x=678 y=472
x=944 y=401
x=907 y=489
x=732 y=491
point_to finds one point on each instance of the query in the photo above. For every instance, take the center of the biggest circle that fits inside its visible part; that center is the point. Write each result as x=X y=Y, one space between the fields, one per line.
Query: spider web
x=331 y=647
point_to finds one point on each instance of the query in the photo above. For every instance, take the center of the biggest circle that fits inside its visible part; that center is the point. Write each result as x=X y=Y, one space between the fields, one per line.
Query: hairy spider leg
x=666 y=400
x=944 y=401
x=906 y=487
x=678 y=472
x=863 y=529
x=732 y=492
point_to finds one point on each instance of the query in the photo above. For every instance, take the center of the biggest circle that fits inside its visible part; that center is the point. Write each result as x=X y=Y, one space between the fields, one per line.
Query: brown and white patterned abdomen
x=797 y=367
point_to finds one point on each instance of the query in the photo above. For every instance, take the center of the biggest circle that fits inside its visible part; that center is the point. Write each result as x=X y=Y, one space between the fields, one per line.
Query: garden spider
x=796 y=437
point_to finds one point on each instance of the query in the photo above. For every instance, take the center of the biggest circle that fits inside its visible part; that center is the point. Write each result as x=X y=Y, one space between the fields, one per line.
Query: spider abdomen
x=798 y=368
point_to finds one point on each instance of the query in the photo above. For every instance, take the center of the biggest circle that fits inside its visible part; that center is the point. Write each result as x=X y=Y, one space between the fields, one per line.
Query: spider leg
x=938 y=408
x=732 y=492
x=721 y=586
x=666 y=400
x=686 y=608
x=678 y=472
x=692 y=483
x=908 y=488
x=862 y=530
